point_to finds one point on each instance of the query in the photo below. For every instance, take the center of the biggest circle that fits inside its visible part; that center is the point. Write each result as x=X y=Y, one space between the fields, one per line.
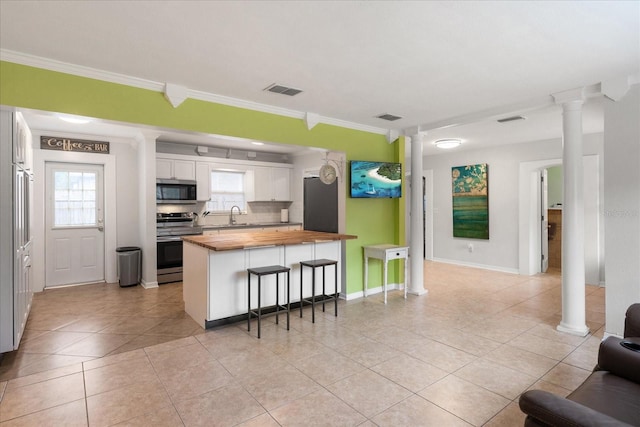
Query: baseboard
x=148 y=285
x=474 y=265
x=607 y=334
x=372 y=291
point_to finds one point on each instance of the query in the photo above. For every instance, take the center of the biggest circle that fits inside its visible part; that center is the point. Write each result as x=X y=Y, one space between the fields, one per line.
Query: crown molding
x=108 y=76
x=78 y=70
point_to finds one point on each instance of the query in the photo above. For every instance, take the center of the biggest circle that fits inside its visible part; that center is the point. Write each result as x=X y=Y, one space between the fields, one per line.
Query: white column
x=416 y=257
x=573 y=264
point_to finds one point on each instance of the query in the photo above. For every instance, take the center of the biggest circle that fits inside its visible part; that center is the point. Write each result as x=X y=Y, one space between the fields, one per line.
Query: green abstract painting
x=470 y=185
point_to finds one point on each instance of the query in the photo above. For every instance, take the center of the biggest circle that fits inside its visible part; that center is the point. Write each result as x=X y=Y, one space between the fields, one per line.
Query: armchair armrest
x=619 y=360
x=554 y=410
x=632 y=321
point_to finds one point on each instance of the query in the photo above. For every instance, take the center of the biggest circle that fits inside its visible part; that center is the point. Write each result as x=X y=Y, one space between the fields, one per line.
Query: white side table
x=385 y=253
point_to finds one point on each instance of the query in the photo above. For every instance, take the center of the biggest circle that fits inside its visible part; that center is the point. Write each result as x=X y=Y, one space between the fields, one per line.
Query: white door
x=544 y=226
x=74 y=245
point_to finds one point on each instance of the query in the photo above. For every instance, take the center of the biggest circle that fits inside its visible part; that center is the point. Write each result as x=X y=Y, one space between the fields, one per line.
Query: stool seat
x=270 y=269
x=318 y=262
x=263 y=271
x=313 y=264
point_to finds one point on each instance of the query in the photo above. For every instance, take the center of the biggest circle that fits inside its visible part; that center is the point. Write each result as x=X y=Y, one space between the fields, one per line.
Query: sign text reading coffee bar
x=81 y=145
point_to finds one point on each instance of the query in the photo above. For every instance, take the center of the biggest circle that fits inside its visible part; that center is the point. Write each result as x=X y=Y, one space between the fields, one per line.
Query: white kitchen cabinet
x=203 y=181
x=262 y=183
x=281 y=183
x=215 y=282
x=272 y=184
x=15 y=216
x=175 y=169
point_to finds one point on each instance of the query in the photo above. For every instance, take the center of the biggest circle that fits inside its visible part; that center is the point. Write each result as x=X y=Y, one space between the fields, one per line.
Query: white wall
x=147 y=209
x=501 y=251
x=622 y=206
x=121 y=193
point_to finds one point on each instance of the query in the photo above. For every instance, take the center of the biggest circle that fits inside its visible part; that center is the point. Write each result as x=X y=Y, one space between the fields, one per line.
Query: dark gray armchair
x=610 y=396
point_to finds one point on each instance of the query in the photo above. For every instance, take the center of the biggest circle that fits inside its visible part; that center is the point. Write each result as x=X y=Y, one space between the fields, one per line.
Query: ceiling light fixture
x=73 y=119
x=448 y=143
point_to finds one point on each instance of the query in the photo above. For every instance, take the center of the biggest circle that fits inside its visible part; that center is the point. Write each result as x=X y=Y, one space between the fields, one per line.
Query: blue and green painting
x=470 y=201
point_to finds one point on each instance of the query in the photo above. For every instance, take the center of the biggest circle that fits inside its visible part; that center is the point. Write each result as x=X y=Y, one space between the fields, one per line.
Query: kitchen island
x=215 y=269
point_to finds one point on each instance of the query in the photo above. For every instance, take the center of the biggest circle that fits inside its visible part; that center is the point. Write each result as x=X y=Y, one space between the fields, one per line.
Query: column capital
x=414 y=130
x=567 y=96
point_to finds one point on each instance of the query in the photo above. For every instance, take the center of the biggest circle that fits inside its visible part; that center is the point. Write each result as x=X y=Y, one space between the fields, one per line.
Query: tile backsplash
x=257 y=212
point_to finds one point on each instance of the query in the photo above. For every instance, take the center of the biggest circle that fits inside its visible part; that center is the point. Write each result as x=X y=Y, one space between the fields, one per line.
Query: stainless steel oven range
x=170 y=229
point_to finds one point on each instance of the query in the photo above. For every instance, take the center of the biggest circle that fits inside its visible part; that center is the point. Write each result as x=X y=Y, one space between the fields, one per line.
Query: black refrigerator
x=320 y=205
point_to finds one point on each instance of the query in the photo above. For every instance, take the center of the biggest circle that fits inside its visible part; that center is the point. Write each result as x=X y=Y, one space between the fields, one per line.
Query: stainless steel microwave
x=174 y=191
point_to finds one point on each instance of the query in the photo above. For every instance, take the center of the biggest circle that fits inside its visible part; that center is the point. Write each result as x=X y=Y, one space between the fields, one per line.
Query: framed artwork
x=470 y=194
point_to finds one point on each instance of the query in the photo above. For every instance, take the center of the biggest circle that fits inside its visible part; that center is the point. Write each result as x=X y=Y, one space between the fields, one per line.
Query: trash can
x=129 y=265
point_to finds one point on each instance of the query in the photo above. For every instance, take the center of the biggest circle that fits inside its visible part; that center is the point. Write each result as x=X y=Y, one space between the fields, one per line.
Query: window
x=75 y=199
x=227 y=190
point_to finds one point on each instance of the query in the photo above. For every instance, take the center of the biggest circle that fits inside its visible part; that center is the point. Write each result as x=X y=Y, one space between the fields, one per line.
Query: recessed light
x=73 y=119
x=448 y=143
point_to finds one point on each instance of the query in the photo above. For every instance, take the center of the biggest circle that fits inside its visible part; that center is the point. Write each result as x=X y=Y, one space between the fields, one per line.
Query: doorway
x=552 y=204
x=74 y=224
x=530 y=219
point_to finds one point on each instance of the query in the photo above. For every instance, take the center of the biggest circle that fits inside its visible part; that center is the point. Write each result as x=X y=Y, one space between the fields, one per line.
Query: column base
x=581 y=331
x=418 y=292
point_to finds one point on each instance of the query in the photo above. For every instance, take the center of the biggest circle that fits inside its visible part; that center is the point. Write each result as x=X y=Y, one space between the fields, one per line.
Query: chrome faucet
x=232 y=220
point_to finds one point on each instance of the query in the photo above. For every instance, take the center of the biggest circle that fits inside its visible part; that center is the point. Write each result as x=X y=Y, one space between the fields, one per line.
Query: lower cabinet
x=215 y=282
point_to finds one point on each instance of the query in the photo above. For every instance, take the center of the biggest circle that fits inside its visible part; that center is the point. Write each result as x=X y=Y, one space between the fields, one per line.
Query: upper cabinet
x=262 y=182
x=23 y=149
x=272 y=184
x=203 y=181
x=175 y=169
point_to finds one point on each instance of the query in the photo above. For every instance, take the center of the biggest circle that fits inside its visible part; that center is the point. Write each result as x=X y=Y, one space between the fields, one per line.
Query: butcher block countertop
x=228 y=242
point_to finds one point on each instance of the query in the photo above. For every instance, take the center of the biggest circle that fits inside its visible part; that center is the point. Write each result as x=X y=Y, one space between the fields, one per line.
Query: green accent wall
x=374 y=221
x=554 y=185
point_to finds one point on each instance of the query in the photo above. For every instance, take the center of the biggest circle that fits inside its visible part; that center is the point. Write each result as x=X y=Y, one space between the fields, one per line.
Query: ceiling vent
x=283 y=90
x=388 y=117
x=510 y=119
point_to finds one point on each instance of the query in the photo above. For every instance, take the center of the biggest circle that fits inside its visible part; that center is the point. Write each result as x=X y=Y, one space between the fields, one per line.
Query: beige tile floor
x=461 y=355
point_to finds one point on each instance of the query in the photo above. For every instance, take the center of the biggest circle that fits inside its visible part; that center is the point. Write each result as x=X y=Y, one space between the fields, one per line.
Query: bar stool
x=313 y=264
x=264 y=271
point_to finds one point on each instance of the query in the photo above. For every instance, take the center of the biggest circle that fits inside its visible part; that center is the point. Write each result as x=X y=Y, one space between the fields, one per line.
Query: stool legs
x=249 y=303
x=315 y=265
x=288 y=299
x=259 y=305
x=277 y=297
x=258 y=313
x=335 y=295
x=313 y=296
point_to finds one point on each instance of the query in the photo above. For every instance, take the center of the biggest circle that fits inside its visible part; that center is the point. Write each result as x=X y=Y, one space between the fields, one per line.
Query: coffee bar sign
x=76 y=145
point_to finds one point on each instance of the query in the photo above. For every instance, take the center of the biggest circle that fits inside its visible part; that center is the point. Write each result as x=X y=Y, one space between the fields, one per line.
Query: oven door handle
x=169 y=239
